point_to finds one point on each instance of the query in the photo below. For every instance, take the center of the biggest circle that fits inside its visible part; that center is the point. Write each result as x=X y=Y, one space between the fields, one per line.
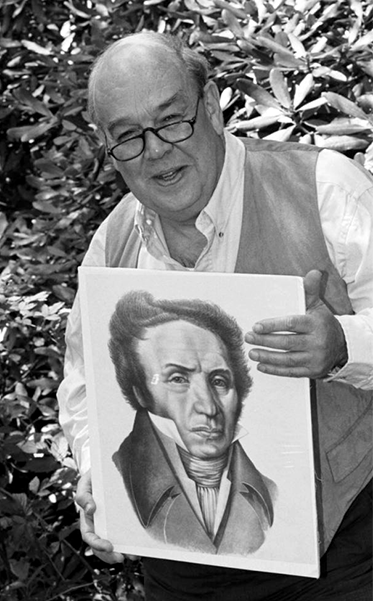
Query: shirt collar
x=226 y=192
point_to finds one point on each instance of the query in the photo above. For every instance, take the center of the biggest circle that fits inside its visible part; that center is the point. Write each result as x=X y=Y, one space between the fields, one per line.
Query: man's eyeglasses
x=172 y=133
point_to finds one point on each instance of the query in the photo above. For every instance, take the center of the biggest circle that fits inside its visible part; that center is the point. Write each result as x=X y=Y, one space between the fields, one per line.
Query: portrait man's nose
x=204 y=398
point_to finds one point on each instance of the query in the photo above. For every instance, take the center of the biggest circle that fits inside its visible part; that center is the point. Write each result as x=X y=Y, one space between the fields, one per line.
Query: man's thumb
x=312 y=285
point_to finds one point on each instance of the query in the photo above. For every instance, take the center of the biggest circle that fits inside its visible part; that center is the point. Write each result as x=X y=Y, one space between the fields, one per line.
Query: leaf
x=34 y=485
x=282 y=53
x=256 y=123
x=281 y=135
x=9 y=43
x=363 y=42
x=20 y=568
x=33 y=47
x=260 y=95
x=25 y=97
x=280 y=87
x=46 y=207
x=235 y=10
x=77 y=12
x=297 y=45
x=366 y=102
x=314 y=104
x=3 y=224
x=30 y=132
x=344 y=105
x=225 y=98
x=366 y=66
x=341 y=143
x=303 y=89
x=203 y=7
x=46 y=166
x=232 y=22
x=345 y=126
x=28 y=447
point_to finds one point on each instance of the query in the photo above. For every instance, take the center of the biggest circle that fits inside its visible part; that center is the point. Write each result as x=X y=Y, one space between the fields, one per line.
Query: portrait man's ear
x=139 y=397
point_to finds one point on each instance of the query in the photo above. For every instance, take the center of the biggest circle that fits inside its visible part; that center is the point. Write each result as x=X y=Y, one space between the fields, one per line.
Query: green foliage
x=298 y=70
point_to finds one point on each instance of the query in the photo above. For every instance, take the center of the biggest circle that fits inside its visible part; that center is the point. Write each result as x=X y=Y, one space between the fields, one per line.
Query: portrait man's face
x=191 y=382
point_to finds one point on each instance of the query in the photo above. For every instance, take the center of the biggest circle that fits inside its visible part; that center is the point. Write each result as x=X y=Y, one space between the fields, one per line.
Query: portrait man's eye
x=221 y=383
x=178 y=379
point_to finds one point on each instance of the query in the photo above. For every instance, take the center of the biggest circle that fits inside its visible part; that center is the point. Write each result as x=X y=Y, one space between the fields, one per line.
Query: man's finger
x=109 y=557
x=312 y=288
x=83 y=495
x=100 y=547
x=284 y=342
x=291 y=323
x=286 y=360
x=288 y=372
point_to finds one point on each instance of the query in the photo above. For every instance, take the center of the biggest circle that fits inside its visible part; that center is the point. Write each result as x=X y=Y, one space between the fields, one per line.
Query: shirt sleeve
x=345 y=196
x=71 y=394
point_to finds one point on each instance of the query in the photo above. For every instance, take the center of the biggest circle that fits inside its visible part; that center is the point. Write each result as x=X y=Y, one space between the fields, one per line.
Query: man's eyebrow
x=178 y=366
x=160 y=107
x=226 y=371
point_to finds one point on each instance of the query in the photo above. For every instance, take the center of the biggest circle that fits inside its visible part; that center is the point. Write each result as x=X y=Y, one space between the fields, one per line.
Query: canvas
x=196 y=455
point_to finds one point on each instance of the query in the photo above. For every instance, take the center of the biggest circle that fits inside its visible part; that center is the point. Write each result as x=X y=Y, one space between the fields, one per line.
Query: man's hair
x=194 y=63
x=138 y=310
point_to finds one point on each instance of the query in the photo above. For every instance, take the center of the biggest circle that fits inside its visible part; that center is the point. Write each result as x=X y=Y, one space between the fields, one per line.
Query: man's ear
x=211 y=101
x=139 y=397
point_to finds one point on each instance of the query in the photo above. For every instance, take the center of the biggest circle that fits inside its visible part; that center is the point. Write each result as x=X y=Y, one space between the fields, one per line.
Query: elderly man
x=182 y=367
x=204 y=200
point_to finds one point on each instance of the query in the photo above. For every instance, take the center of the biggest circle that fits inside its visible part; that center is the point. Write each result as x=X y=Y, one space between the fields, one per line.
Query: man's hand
x=313 y=343
x=100 y=547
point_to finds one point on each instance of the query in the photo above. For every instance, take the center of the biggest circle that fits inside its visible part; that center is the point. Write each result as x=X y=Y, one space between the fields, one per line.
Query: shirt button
x=221 y=234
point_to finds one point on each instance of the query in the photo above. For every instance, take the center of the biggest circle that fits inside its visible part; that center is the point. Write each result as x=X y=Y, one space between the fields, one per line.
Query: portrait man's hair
x=138 y=310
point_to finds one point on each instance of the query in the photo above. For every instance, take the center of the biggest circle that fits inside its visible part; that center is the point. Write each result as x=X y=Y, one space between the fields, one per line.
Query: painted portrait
x=195 y=454
x=182 y=366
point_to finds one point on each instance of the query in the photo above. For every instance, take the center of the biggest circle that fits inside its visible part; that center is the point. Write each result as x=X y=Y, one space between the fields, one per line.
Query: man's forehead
x=180 y=337
x=131 y=78
x=137 y=61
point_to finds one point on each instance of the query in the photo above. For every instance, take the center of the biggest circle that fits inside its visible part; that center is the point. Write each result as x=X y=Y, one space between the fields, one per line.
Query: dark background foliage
x=298 y=70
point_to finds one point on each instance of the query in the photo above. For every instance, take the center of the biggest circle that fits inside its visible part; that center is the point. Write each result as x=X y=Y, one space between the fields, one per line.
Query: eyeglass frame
x=155 y=131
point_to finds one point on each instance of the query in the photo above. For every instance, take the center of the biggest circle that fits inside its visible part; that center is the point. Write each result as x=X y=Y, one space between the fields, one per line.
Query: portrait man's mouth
x=208 y=432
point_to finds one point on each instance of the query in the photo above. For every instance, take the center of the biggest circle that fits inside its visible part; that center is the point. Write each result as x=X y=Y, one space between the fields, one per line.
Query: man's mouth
x=170 y=176
x=208 y=432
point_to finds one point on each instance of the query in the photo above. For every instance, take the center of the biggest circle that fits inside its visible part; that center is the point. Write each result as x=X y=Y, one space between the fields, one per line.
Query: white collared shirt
x=345 y=200
x=219 y=222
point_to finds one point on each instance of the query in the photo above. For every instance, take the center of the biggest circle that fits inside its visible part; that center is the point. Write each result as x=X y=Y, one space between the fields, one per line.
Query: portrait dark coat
x=162 y=506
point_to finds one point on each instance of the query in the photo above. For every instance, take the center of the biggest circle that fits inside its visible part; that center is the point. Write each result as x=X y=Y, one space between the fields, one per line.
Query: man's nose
x=155 y=148
x=204 y=399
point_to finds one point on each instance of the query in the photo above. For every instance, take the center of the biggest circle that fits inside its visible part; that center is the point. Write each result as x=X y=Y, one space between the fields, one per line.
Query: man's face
x=143 y=88
x=191 y=382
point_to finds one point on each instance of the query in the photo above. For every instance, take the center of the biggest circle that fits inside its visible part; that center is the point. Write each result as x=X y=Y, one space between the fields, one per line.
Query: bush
x=298 y=70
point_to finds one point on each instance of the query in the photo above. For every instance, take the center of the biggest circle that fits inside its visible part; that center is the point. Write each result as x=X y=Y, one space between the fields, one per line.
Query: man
x=181 y=365
x=202 y=199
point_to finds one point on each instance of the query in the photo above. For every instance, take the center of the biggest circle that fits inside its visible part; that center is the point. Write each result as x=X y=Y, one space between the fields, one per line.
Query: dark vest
x=281 y=234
